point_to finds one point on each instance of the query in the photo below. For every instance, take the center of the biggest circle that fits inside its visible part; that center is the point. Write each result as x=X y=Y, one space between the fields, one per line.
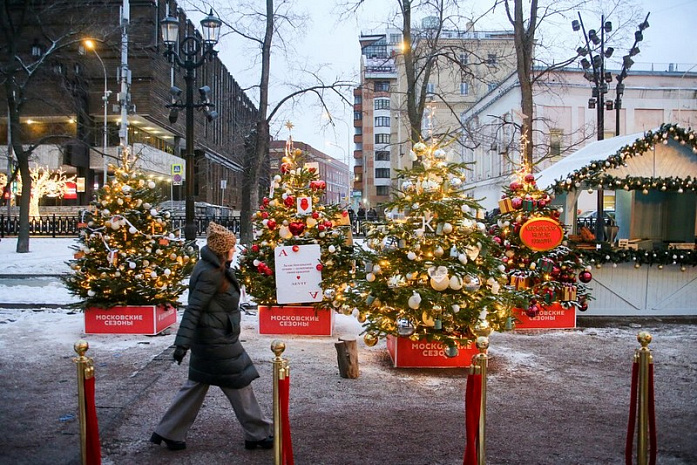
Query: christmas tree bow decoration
x=429 y=273
x=126 y=252
x=288 y=225
x=541 y=268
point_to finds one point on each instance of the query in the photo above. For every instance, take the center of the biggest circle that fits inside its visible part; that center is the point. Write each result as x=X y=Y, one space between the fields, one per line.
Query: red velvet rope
x=93 y=449
x=652 y=419
x=632 y=415
x=284 y=399
x=473 y=399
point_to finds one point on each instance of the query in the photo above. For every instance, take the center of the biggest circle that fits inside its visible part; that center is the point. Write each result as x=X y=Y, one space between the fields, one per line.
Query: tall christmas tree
x=429 y=271
x=293 y=215
x=542 y=270
x=126 y=252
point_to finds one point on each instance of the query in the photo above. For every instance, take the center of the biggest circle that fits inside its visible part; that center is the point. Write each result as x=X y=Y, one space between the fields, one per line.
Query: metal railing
x=67 y=225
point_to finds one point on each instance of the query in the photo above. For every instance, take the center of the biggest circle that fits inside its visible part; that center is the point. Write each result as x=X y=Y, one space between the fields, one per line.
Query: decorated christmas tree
x=126 y=252
x=294 y=216
x=542 y=269
x=429 y=271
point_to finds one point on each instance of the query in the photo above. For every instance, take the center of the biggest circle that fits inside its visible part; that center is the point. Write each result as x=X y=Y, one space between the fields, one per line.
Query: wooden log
x=347 y=357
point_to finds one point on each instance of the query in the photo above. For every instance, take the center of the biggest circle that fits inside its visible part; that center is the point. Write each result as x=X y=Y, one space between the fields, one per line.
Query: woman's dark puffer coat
x=210 y=327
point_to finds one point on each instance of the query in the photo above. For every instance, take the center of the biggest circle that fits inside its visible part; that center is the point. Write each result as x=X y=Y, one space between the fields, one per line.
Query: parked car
x=588 y=217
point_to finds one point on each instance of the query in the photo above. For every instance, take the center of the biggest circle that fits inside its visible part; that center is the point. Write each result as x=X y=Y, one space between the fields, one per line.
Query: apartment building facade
x=564 y=123
x=66 y=101
x=473 y=63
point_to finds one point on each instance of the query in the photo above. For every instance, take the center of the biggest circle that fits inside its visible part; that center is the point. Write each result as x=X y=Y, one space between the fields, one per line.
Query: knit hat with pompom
x=220 y=239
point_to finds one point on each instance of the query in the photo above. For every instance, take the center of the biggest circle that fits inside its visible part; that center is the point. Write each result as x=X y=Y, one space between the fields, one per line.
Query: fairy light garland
x=594 y=173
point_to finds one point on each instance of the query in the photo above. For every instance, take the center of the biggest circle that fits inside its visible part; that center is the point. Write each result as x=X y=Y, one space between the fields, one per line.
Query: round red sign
x=541 y=234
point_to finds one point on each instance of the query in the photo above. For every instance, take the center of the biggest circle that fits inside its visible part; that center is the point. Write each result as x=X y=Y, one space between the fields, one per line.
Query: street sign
x=177 y=168
x=177 y=180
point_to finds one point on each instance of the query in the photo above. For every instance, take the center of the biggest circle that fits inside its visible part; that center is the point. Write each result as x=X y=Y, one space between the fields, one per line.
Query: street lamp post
x=596 y=73
x=105 y=99
x=190 y=47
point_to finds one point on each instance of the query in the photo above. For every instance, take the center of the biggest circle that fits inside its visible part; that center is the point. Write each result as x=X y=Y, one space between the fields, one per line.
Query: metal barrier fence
x=66 y=225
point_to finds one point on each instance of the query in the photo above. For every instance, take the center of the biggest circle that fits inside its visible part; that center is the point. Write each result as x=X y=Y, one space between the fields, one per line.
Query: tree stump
x=347 y=357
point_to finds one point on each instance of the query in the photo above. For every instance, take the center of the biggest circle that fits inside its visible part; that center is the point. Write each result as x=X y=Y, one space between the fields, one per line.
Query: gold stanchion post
x=85 y=370
x=280 y=371
x=644 y=358
x=481 y=364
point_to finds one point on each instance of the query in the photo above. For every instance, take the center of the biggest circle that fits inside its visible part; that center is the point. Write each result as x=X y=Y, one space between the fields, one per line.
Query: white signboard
x=297 y=277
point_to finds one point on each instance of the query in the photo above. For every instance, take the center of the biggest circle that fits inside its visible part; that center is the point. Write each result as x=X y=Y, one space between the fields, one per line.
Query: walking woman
x=210 y=327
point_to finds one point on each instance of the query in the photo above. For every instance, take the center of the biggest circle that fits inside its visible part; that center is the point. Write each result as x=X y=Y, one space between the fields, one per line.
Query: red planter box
x=406 y=353
x=130 y=319
x=551 y=317
x=295 y=320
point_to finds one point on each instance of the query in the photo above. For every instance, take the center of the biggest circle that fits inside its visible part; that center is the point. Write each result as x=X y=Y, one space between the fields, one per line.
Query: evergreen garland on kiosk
x=428 y=272
x=293 y=215
x=541 y=267
x=127 y=253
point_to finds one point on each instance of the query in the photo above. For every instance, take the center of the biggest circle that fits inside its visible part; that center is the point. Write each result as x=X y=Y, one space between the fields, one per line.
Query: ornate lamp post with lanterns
x=193 y=53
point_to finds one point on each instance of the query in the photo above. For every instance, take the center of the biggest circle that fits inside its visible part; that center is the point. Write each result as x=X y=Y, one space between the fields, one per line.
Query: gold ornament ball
x=370 y=339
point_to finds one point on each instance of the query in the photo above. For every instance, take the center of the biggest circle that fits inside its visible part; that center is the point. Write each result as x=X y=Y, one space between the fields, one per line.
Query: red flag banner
x=473 y=401
x=284 y=399
x=94 y=451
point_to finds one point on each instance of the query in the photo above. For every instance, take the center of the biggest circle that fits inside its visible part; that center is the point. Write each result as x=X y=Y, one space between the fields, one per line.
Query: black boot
x=171 y=445
x=266 y=443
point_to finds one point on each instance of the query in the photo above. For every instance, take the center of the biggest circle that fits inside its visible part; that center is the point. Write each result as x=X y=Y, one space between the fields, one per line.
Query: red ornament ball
x=315 y=215
x=529 y=178
x=289 y=201
x=515 y=185
x=271 y=224
x=320 y=267
x=532 y=310
x=585 y=276
x=583 y=307
x=517 y=202
x=255 y=248
x=296 y=248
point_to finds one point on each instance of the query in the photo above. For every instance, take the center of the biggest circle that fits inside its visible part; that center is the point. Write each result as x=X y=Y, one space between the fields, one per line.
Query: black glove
x=179 y=354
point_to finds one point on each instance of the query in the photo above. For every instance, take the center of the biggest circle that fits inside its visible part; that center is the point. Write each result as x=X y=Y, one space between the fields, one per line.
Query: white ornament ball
x=370 y=277
x=465 y=208
x=411 y=256
x=447 y=228
x=132 y=230
x=151 y=185
x=91 y=293
x=126 y=189
x=132 y=265
x=153 y=212
x=153 y=275
x=331 y=249
x=462 y=258
x=455 y=283
x=414 y=301
x=167 y=272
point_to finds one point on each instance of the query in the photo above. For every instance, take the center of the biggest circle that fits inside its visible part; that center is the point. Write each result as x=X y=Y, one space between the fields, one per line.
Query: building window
x=382 y=190
x=382 y=121
x=491 y=59
x=395 y=38
x=382 y=155
x=382 y=138
x=555 y=139
x=381 y=104
x=382 y=173
x=357 y=99
x=357 y=115
x=464 y=58
x=382 y=86
x=492 y=86
x=430 y=88
x=464 y=88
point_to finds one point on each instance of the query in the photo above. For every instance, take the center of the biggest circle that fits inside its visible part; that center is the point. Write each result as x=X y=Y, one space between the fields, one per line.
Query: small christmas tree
x=126 y=252
x=542 y=270
x=429 y=273
x=293 y=215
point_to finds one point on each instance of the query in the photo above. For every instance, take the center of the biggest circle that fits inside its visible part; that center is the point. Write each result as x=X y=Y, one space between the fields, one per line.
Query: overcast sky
x=331 y=45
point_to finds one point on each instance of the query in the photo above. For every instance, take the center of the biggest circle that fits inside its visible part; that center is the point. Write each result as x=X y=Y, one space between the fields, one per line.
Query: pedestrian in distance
x=210 y=328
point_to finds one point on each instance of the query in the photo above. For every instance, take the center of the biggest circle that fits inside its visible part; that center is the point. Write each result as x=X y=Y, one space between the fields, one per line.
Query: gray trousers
x=184 y=409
